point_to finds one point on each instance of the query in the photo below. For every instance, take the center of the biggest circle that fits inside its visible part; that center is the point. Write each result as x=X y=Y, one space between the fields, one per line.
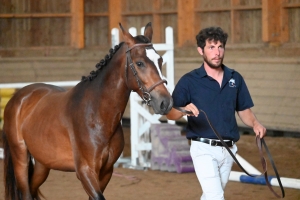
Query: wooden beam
x=186 y=22
x=77 y=24
x=115 y=16
x=34 y=15
x=220 y=9
x=105 y=14
x=140 y=13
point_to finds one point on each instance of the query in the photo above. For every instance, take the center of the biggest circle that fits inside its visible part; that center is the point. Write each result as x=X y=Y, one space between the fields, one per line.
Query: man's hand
x=248 y=117
x=177 y=113
x=192 y=108
x=259 y=129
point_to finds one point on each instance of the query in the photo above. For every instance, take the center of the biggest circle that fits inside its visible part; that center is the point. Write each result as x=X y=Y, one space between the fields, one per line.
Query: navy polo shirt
x=219 y=103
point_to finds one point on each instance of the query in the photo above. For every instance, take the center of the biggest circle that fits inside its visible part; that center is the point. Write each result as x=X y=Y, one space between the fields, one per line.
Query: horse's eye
x=139 y=64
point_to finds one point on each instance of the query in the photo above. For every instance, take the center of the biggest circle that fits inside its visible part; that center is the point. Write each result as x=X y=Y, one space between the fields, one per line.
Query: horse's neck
x=111 y=82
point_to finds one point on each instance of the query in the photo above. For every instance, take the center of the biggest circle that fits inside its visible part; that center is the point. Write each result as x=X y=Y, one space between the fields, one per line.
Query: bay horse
x=79 y=130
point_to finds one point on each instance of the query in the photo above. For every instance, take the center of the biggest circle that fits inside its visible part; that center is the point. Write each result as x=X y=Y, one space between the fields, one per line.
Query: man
x=220 y=92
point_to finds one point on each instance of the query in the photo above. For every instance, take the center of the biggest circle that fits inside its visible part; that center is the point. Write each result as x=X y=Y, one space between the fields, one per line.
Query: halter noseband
x=145 y=92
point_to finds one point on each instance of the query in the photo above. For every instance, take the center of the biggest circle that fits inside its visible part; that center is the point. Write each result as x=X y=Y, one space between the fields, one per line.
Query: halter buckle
x=146 y=97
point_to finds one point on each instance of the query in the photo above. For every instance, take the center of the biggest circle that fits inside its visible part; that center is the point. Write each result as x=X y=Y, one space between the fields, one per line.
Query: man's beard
x=210 y=64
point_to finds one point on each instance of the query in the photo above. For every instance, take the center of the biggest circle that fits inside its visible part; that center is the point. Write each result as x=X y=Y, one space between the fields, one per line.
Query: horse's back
x=37 y=91
x=27 y=98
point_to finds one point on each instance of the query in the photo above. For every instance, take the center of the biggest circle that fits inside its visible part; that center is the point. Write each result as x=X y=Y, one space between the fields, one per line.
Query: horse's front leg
x=90 y=182
x=88 y=162
x=115 y=149
x=94 y=163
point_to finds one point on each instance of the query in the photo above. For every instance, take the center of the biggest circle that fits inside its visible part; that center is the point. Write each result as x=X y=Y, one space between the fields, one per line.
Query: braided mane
x=102 y=63
x=108 y=57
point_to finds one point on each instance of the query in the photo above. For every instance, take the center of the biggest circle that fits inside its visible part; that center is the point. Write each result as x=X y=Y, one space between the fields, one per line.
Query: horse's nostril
x=166 y=105
x=162 y=106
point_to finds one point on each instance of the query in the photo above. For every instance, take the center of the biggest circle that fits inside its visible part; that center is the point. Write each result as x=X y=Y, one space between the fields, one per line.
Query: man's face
x=213 y=53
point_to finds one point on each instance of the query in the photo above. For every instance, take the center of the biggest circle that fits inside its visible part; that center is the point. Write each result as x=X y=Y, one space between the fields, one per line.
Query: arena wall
x=62 y=40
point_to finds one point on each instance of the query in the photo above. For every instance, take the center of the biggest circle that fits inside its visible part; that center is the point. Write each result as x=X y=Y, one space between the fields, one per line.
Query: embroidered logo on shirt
x=232 y=83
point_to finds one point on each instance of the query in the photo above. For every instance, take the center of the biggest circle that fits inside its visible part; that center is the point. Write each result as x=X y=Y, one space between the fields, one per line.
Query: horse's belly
x=54 y=158
x=50 y=146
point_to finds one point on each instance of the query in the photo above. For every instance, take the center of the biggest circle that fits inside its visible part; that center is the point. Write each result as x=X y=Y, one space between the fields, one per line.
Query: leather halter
x=146 y=96
x=259 y=143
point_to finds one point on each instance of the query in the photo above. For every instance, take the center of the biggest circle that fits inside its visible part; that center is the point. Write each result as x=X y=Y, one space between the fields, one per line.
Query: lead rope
x=259 y=142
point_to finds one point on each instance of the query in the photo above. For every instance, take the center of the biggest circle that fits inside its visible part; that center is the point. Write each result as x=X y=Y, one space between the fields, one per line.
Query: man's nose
x=217 y=51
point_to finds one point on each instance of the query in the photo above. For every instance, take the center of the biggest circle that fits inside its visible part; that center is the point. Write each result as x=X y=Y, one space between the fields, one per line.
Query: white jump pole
x=260 y=180
x=247 y=166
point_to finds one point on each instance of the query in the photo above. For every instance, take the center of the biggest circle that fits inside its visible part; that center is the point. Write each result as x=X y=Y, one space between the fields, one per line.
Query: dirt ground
x=148 y=184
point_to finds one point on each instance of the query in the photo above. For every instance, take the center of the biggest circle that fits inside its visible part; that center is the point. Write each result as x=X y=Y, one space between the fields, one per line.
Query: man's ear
x=200 y=51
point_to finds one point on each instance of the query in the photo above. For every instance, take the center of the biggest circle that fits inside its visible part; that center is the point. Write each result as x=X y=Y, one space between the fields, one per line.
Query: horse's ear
x=127 y=36
x=148 y=31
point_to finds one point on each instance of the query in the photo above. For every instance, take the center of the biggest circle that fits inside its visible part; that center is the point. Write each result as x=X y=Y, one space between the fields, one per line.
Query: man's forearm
x=174 y=114
x=247 y=117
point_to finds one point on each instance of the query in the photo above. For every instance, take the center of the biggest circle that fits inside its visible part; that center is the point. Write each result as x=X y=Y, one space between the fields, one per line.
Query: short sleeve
x=181 y=95
x=244 y=100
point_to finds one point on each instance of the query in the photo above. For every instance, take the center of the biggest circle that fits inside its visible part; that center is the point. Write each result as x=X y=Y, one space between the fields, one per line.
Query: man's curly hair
x=211 y=34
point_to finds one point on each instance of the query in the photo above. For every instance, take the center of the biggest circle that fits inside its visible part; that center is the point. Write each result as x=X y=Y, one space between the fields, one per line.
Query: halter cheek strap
x=146 y=96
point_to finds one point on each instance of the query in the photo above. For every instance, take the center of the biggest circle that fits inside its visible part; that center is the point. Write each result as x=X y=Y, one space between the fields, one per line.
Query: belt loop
x=216 y=143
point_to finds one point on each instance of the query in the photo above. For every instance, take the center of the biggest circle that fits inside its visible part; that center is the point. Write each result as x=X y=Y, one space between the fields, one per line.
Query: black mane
x=102 y=63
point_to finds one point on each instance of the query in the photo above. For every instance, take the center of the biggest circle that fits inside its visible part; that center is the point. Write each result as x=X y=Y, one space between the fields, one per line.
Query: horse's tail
x=11 y=190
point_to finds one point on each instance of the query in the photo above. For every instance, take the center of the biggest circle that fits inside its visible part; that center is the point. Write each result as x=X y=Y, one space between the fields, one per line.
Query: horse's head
x=143 y=73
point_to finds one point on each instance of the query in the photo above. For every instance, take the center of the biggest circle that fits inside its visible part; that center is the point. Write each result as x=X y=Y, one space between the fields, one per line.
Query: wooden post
x=115 y=16
x=77 y=24
x=284 y=22
x=186 y=22
x=235 y=23
x=156 y=24
x=270 y=19
x=265 y=21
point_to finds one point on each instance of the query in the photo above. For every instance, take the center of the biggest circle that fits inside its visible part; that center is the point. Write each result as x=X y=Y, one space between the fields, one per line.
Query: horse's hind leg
x=39 y=176
x=20 y=162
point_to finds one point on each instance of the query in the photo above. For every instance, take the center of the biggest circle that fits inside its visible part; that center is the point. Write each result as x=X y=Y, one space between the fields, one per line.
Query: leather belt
x=212 y=142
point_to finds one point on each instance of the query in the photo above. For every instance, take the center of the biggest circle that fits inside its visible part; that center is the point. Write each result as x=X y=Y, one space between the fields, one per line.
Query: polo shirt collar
x=201 y=71
x=227 y=71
